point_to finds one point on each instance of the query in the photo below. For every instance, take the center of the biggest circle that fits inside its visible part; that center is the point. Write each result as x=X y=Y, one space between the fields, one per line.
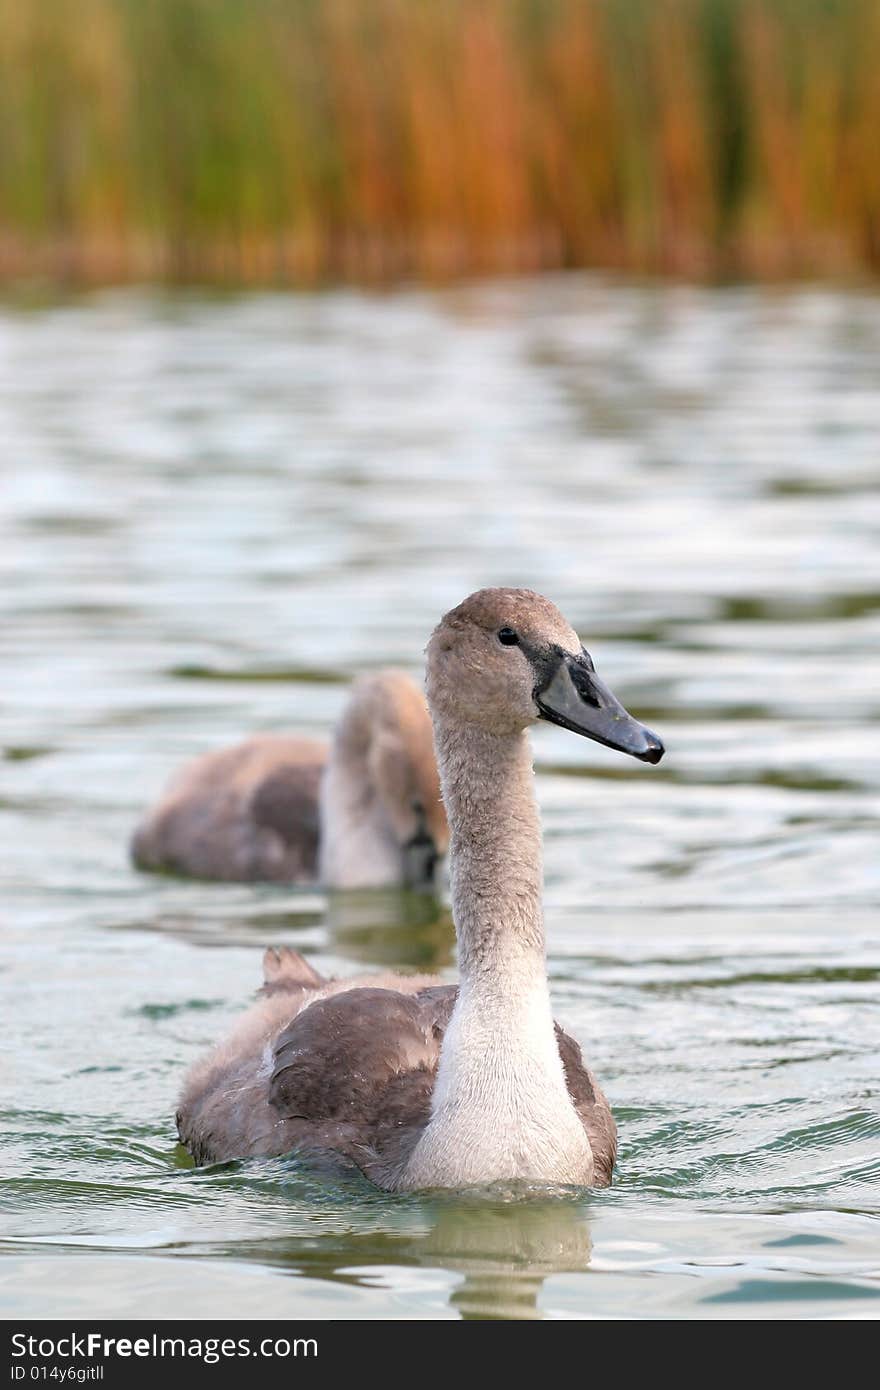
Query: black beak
x=420 y=859
x=575 y=697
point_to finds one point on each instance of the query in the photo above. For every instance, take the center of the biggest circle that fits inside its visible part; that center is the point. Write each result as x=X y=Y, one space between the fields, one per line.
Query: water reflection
x=375 y=927
x=391 y=928
x=504 y=1243
x=506 y=1251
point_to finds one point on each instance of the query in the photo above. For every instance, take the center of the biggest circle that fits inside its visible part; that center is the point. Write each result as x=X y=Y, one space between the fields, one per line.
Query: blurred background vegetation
x=296 y=141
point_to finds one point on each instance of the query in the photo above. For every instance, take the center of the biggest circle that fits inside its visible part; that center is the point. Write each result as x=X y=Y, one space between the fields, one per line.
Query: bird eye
x=507 y=637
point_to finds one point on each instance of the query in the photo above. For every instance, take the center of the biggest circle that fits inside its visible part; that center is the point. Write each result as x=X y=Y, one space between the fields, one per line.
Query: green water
x=214 y=513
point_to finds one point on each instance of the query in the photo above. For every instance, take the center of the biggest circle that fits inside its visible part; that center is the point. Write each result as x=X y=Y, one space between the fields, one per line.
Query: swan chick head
x=389 y=717
x=506 y=658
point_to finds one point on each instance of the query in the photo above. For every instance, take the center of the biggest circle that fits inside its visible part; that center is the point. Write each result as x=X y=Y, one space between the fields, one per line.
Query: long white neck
x=357 y=848
x=496 y=863
x=500 y=1108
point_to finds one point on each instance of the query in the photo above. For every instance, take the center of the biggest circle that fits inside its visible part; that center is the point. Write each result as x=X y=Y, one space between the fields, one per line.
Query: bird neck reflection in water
x=506 y=1250
x=499 y=1243
x=391 y=927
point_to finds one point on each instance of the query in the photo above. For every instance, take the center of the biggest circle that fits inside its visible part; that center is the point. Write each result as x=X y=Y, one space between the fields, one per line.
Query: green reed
x=298 y=140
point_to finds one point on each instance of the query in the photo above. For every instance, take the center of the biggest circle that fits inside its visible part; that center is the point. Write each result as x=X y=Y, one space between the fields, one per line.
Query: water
x=214 y=513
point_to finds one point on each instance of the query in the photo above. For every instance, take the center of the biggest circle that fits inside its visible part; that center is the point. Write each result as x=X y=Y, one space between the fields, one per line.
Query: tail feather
x=285 y=969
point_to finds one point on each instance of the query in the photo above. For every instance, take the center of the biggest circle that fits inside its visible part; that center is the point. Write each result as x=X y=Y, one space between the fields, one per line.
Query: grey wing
x=245 y=813
x=591 y=1104
x=354 y=1072
x=286 y=803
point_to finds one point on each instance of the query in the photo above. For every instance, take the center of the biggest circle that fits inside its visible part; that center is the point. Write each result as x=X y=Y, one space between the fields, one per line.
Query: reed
x=295 y=141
